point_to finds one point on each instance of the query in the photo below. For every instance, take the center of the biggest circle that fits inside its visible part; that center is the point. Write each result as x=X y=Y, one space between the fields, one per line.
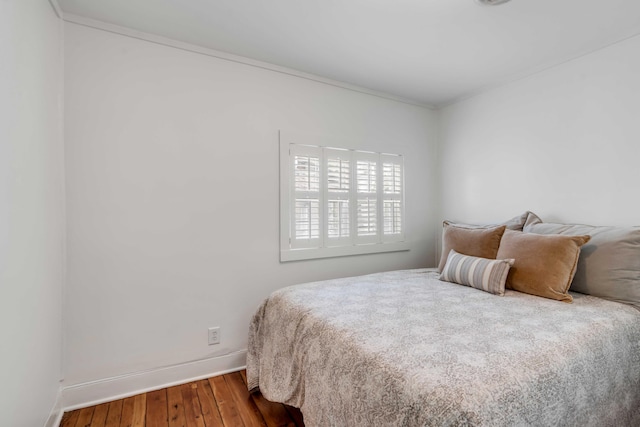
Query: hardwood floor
x=216 y=402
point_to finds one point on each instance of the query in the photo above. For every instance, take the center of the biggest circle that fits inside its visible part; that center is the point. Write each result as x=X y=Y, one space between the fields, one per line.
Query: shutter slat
x=366 y=176
x=338 y=174
x=307 y=219
x=392 y=178
x=307 y=173
x=392 y=211
x=338 y=218
x=367 y=217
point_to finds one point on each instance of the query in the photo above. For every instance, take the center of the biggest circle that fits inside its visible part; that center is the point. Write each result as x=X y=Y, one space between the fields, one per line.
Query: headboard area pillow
x=544 y=264
x=478 y=242
x=609 y=265
x=456 y=237
x=516 y=223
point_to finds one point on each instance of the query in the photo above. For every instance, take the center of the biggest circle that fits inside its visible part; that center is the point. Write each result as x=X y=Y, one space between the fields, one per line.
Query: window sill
x=338 y=251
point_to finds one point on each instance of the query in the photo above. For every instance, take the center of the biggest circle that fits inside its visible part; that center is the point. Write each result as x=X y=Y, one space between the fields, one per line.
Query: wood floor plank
x=226 y=404
x=192 y=411
x=249 y=412
x=115 y=413
x=126 y=418
x=157 y=409
x=222 y=401
x=274 y=414
x=100 y=415
x=84 y=419
x=175 y=404
x=139 y=410
x=69 y=419
x=210 y=412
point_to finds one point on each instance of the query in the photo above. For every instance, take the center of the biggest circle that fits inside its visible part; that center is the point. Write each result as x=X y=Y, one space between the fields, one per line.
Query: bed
x=404 y=348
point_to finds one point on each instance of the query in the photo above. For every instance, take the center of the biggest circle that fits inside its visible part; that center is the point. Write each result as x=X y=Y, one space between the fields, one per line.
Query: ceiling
x=429 y=51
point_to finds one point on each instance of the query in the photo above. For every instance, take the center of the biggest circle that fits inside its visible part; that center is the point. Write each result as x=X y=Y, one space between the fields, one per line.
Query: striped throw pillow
x=488 y=275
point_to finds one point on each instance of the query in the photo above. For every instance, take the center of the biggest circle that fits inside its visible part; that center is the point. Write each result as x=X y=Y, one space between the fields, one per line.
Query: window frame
x=335 y=247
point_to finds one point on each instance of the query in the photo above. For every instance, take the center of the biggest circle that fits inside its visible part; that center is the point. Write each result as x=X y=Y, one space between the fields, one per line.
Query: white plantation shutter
x=392 y=197
x=338 y=219
x=367 y=216
x=338 y=170
x=367 y=225
x=337 y=195
x=306 y=171
x=307 y=217
x=337 y=201
x=392 y=217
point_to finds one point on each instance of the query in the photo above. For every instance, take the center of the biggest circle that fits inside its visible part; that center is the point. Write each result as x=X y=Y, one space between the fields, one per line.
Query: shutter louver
x=307 y=218
x=367 y=217
x=393 y=198
x=392 y=178
x=392 y=212
x=306 y=227
x=338 y=177
x=307 y=173
x=338 y=189
x=338 y=219
x=367 y=176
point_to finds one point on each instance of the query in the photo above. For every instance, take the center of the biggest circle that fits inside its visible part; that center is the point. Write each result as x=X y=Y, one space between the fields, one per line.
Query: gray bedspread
x=403 y=348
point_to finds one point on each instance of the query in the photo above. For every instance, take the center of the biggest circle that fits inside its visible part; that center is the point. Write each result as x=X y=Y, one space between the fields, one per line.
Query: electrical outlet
x=214 y=335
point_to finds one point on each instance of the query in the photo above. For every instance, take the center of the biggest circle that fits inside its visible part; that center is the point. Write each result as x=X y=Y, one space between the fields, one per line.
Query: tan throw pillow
x=488 y=275
x=544 y=264
x=480 y=242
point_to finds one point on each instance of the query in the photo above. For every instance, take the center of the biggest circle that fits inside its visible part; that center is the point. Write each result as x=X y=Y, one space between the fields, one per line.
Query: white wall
x=564 y=143
x=172 y=196
x=31 y=211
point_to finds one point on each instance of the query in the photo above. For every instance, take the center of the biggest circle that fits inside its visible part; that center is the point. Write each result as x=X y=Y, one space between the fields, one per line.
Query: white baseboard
x=108 y=389
x=55 y=416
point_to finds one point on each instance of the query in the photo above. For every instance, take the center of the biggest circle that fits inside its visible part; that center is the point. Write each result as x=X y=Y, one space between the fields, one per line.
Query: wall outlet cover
x=214 y=335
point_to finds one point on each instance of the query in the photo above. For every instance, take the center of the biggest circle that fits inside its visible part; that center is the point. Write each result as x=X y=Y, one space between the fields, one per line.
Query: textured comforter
x=405 y=349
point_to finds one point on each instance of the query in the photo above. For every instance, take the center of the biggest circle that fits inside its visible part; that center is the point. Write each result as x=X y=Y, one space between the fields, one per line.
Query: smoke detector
x=491 y=2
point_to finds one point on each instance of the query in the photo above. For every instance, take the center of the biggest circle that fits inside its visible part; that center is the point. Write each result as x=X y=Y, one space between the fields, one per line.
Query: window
x=336 y=201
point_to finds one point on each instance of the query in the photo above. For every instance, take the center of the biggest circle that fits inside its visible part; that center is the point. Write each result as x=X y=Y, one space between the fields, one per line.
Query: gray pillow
x=531 y=219
x=516 y=223
x=609 y=264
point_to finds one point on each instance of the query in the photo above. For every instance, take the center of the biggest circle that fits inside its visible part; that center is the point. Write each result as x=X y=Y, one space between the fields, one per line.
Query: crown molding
x=153 y=38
